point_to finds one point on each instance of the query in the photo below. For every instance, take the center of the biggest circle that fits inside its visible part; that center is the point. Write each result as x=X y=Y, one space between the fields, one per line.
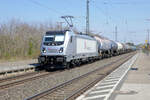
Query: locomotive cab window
x=54 y=38
x=49 y=39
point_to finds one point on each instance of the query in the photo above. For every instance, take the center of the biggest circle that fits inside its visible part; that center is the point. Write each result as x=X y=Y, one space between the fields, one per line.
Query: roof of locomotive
x=56 y=32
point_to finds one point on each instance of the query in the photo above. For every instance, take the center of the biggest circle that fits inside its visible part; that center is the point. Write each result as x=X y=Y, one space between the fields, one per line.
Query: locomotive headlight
x=61 y=50
x=44 y=50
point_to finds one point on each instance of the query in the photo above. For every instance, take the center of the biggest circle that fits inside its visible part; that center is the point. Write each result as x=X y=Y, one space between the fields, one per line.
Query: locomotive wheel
x=73 y=64
x=66 y=65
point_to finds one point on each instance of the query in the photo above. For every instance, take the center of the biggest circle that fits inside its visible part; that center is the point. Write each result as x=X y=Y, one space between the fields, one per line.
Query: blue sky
x=129 y=15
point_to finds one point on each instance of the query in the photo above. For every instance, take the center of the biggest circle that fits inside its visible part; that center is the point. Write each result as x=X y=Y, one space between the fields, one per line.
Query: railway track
x=21 y=79
x=71 y=89
x=18 y=76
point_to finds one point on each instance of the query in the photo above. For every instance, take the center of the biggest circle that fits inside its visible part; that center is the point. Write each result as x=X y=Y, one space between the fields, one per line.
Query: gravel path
x=30 y=88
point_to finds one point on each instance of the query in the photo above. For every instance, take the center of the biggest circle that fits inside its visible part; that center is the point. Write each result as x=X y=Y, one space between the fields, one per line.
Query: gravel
x=27 y=89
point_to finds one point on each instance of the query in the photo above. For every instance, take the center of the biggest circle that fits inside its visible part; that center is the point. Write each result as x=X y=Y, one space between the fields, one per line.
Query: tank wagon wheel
x=78 y=64
x=72 y=64
x=66 y=65
x=91 y=60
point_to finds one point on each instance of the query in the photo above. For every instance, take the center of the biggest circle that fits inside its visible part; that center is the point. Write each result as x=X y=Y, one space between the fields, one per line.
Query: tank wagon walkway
x=136 y=85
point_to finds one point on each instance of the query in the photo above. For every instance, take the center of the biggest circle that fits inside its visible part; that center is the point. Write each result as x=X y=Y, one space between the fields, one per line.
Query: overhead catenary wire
x=51 y=9
x=60 y=13
x=104 y=13
x=108 y=17
x=46 y=7
x=126 y=2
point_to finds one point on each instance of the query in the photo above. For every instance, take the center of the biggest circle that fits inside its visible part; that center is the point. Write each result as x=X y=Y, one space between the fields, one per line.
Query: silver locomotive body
x=66 y=47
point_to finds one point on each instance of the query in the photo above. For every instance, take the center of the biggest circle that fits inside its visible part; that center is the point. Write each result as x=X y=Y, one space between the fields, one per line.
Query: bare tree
x=21 y=39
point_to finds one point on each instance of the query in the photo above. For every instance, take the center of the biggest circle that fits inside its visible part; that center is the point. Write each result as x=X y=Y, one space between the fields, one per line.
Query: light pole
x=87 y=17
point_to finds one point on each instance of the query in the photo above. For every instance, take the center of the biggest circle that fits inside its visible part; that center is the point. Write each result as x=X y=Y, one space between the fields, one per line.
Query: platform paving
x=9 y=66
x=136 y=86
x=105 y=88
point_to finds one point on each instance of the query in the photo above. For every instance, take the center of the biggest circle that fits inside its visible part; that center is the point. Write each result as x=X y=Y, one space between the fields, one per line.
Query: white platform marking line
x=105 y=83
x=113 y=76
x=107 y=86
x=115 y=80
x=94 y=97
x=132 y=61
x=100 y=91
x=111 y=79
x=115 y=73
x=82 y=97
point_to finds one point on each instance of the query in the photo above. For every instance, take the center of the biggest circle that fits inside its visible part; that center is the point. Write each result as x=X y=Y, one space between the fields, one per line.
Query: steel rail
x=19 y=76
x=82 y=90
x=8 y=85
x=51 y=90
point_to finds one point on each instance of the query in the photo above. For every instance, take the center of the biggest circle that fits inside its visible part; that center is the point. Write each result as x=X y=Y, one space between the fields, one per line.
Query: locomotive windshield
x=49 y=39
x=54 y=39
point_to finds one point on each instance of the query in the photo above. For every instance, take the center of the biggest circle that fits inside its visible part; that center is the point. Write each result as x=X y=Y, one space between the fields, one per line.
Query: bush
x=21 y=40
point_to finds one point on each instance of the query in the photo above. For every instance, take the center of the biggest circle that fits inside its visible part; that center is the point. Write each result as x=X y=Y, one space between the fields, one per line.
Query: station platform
x=108 y=88
x=136 y=85
x=19 y=65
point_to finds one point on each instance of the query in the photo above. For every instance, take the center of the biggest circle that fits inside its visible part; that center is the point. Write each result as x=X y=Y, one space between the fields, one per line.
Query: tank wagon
x=133 y=48
x=128 y=48
x=67 y=48
x=120 y=48
x=114 y=48
x=106 y=47
x=103 y=46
